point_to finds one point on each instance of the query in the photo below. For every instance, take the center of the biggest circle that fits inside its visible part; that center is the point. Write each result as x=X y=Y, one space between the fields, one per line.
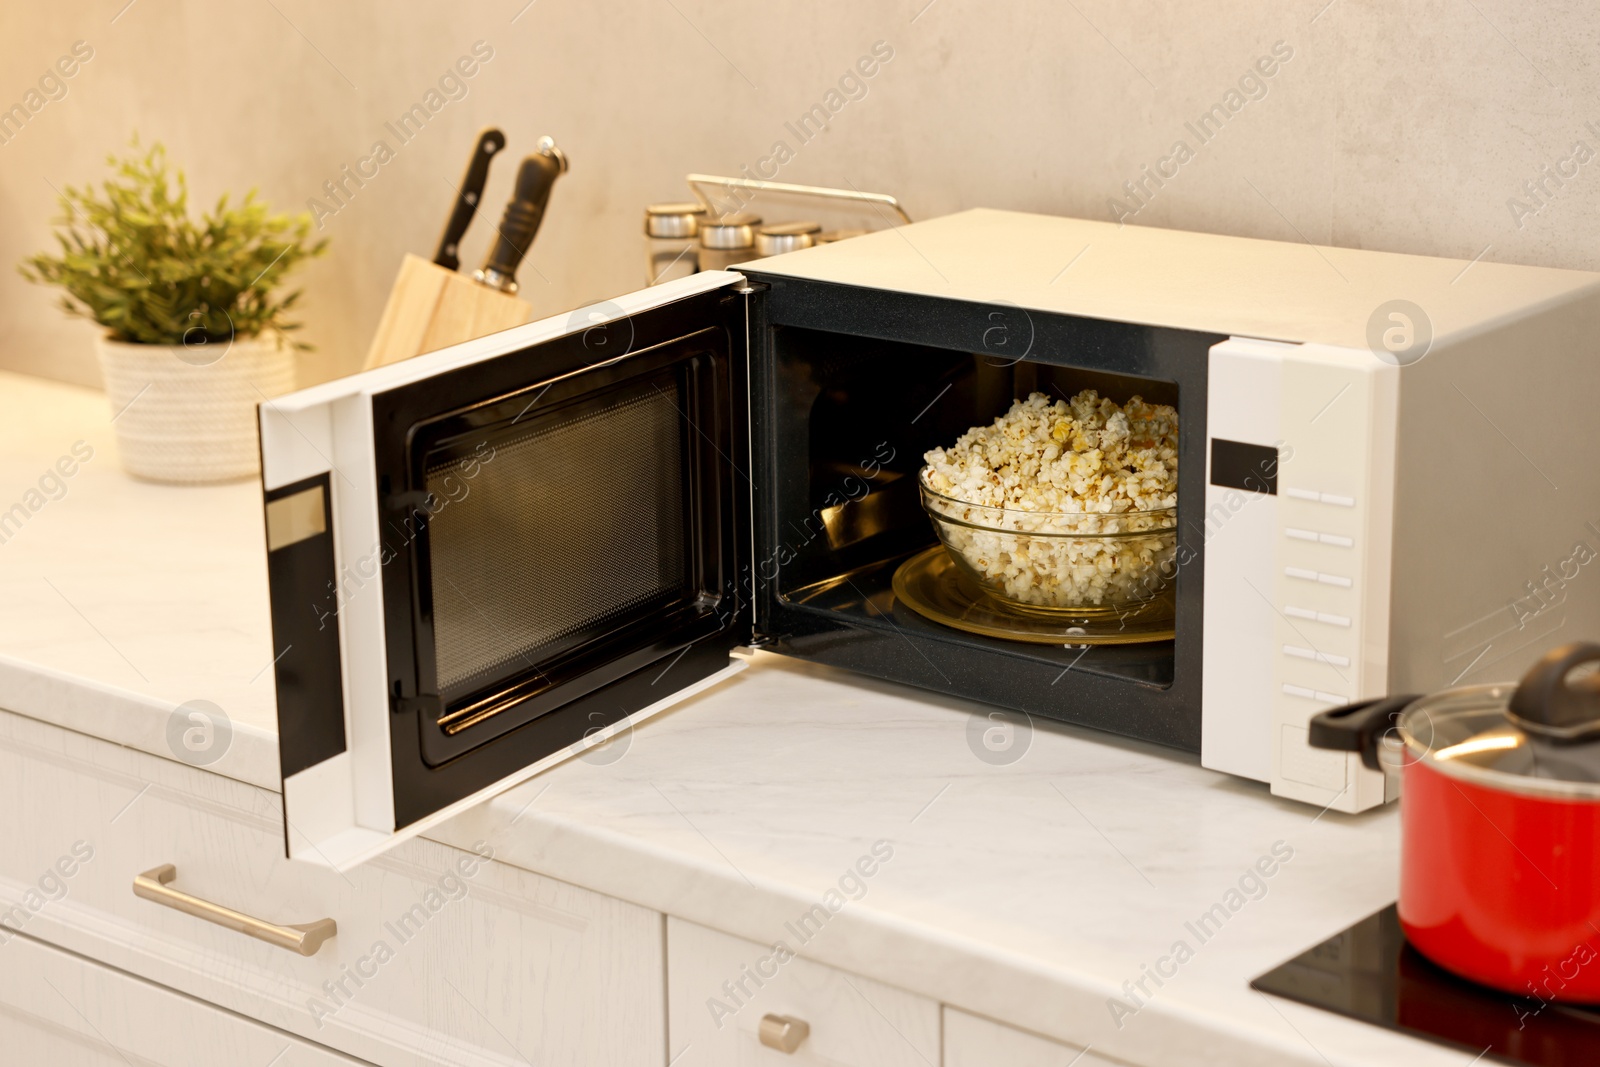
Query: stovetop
x=1370 y=973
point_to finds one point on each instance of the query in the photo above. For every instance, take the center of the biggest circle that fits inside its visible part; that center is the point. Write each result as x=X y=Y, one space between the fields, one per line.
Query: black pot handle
x=1545 y=705
x=1358 y=727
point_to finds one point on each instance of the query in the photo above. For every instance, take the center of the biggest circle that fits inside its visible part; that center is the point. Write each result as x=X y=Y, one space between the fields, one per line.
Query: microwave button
x=1332 y=698
x=1338 y=499
x=1333 y=660
x=1300 y=572
x=1335 y=579
x=1295 y=612
x=1336 y=539
x=1300 y=691
x=1300 y=535
x=1298 y=652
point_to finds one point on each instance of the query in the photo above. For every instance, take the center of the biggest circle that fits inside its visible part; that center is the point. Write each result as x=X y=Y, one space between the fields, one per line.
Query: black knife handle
x=535 y=178
x=490 y=142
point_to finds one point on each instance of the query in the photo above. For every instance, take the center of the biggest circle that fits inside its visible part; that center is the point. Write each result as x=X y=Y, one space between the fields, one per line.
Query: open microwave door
x=488 y=559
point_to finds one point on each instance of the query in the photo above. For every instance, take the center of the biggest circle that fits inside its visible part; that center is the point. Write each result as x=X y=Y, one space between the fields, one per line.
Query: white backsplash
x=1406 y=130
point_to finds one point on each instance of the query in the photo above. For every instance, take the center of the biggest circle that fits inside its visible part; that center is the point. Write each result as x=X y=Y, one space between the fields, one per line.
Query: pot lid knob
x=1550 y=706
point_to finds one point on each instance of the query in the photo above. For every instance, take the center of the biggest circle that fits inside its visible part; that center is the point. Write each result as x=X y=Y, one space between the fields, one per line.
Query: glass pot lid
x=1541 y=736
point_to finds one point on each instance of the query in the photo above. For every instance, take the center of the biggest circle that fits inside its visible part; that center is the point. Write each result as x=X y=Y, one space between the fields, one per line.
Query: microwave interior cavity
x=858 y=415
x=850 y=394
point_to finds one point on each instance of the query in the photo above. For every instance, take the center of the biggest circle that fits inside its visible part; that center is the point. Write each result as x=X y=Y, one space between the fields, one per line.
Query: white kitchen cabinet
x=973 y=1041
x=720 y=987
x=61 y=1010
x=439 y=956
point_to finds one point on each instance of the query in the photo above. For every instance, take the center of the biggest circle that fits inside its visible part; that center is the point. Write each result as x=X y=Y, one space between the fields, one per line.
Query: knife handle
x=490 y=142
x=535 y=178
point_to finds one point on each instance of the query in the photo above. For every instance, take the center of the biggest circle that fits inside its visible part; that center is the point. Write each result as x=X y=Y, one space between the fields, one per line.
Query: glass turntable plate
x=930 y=584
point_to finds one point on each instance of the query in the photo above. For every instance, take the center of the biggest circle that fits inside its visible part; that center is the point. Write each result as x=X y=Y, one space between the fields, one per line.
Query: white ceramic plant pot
x=187 y=413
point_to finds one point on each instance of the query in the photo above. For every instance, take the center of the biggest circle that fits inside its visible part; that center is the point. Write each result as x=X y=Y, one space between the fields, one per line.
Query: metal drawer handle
x=156 y=885
x=783 y=1032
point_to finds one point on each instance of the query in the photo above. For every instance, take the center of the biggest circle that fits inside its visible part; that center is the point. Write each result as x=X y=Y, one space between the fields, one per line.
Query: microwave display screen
x=552 y=530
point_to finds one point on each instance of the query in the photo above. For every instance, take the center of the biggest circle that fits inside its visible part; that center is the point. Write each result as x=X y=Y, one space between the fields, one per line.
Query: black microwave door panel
x=567 y=526
x=850 y=386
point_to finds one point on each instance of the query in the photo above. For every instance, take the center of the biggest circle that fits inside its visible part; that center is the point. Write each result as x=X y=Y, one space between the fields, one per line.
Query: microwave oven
x=486 y=559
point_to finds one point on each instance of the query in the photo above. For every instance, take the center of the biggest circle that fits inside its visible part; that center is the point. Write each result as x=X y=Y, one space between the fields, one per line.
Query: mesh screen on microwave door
x=564 y=531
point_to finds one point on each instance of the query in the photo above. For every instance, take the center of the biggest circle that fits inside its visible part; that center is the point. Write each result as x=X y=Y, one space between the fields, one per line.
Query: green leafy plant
x=133 y=260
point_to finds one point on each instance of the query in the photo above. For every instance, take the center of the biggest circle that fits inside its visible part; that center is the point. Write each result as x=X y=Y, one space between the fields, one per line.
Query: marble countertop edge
x=124 y=717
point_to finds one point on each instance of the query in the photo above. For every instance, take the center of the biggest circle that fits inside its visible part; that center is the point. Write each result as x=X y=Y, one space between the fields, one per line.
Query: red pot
x=1500 y=823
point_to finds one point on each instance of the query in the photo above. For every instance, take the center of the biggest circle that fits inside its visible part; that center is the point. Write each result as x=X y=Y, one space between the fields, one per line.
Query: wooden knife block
x=431 y=308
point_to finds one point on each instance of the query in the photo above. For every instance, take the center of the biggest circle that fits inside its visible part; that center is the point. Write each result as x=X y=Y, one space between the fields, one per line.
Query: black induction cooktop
x=1370 y=973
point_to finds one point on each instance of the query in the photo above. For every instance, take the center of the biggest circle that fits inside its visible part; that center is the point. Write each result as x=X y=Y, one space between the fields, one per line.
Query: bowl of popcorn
x=1062 y=506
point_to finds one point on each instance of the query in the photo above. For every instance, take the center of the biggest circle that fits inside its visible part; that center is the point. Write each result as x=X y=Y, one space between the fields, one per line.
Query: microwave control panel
x=1299 y=499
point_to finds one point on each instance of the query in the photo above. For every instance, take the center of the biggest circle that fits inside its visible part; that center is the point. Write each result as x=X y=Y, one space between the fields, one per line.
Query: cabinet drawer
x=973 y=1041
x=65 y=1011
x=441 y=957
x=719 y=988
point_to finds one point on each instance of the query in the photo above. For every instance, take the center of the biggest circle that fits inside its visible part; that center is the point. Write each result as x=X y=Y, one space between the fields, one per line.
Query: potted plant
x=195 y=331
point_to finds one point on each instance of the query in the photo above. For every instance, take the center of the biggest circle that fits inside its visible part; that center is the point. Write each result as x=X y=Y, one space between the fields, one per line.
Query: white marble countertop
x=1028 y=892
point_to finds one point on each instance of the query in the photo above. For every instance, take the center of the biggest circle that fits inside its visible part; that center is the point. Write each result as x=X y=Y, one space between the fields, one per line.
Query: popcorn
x=1045 y=469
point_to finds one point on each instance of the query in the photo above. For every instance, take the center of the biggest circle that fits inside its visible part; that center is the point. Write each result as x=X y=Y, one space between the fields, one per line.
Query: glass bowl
x=1058 y=563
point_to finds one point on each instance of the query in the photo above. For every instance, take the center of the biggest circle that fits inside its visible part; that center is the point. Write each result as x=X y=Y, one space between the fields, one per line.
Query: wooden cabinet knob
x=783 y=1032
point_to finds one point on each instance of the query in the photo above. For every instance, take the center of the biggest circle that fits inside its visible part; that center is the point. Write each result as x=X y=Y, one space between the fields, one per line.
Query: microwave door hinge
x=427 y=704
x=750 y=288
x=408 y=501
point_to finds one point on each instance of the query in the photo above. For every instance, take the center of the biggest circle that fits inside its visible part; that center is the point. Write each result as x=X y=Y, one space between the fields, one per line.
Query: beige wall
x=1402 y=127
